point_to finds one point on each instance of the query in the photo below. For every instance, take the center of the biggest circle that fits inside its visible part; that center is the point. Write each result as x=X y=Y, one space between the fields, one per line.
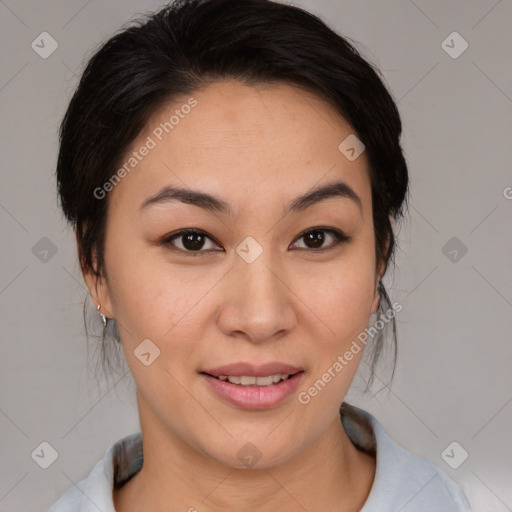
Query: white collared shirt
x=403 y=481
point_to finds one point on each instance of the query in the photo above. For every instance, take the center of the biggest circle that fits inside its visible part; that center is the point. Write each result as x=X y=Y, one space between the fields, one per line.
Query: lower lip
x=254 y=397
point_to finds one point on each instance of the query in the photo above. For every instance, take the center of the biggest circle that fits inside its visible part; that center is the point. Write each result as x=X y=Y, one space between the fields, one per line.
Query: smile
x=249 y=380
x=251 y=392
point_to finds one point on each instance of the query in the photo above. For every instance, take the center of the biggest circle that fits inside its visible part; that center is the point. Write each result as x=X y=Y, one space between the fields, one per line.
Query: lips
x=253 y=396
x=250 y=386
x=251 y=370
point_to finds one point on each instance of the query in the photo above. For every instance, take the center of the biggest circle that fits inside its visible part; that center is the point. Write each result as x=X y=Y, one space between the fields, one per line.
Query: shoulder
x=120 y=462
x=70 y=501
x=90 y=493
x=403 y=480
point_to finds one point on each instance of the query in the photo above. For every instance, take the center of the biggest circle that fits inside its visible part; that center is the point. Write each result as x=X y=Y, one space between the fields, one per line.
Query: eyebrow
x=214 y=204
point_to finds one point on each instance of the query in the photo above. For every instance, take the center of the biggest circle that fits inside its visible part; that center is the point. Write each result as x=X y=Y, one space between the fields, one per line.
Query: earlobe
x=98 y=286
x=100 y=294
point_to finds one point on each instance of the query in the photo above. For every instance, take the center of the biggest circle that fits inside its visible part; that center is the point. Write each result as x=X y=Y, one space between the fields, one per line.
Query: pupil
x=315 y=237
x=193 y=241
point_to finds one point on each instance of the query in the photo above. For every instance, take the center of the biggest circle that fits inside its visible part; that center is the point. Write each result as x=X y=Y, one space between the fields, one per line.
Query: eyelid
x=339 y=236
x=167 y=241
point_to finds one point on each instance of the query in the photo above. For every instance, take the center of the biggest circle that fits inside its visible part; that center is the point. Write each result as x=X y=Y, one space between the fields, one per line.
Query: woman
x=232 y=171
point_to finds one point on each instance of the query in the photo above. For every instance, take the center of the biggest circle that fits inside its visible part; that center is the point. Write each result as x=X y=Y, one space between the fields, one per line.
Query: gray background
x=453 y=380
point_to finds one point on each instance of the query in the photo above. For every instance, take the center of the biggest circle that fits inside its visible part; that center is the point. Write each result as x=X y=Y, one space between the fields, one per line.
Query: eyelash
x=339 y=236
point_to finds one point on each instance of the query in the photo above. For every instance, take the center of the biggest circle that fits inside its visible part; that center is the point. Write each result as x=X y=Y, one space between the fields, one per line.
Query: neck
x=331 y=474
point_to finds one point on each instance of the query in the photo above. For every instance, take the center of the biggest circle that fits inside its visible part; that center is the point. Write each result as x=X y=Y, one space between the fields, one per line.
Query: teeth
x=247 y=380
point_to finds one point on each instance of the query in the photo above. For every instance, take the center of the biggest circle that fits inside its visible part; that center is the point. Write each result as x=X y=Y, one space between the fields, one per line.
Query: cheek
x=344 y=313
x=168 y=304
x=340 y=294
x=151 y=304
x=350 y=308
x=342 y=304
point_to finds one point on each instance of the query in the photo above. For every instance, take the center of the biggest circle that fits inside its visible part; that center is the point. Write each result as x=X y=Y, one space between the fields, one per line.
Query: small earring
x=103 y=318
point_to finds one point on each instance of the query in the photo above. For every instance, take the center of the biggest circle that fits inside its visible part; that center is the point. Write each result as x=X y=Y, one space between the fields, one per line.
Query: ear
x=380 y=274
x=376 y=301
x=98 y=288
x=376 y=298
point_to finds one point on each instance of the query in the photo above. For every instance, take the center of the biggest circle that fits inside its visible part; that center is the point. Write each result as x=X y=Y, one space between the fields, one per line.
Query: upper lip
x=251 y=370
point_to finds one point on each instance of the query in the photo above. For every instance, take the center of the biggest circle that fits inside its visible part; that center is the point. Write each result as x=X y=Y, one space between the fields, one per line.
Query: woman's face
x=266 y=281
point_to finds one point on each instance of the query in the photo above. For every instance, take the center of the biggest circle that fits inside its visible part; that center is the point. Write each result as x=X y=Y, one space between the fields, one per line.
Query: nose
x=257 y=301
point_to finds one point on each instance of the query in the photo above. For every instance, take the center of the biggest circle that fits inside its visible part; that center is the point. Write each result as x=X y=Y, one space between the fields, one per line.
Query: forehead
x=242 y=141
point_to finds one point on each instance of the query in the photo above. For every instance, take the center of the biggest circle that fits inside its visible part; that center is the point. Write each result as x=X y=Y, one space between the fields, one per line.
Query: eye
x=190 y=241
x=315 y=238
x=193 y=241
